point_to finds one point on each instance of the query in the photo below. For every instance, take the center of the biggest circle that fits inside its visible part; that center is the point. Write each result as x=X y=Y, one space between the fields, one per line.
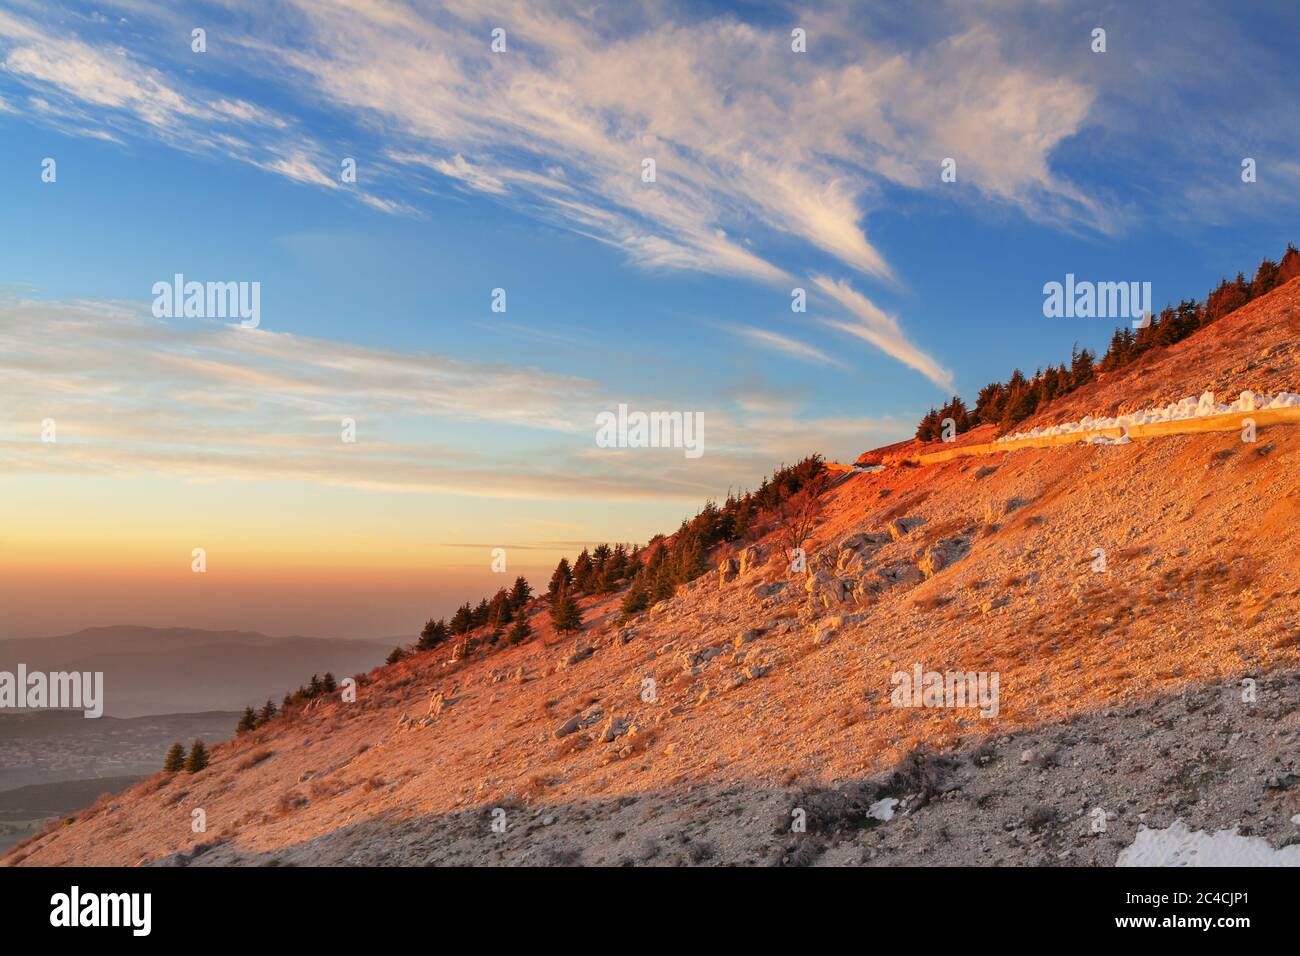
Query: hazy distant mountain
x=150 y=670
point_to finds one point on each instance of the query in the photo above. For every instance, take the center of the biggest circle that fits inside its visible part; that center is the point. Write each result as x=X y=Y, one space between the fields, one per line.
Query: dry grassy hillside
x=1120 y=688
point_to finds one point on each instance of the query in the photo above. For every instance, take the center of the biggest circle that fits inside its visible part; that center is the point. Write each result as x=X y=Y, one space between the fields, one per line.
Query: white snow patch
x=1190 y=407
x=883 y=809
x=1178 y=846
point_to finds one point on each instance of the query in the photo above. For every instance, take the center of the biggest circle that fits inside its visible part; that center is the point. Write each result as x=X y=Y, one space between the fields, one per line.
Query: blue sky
x=521 y=170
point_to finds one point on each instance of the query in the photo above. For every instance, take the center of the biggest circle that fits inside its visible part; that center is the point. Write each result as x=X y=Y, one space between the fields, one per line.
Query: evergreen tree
x=499 y=611
x=314 y=687
x=265 y=715
x=928 y=430
x=582 y=572
x=609 y=579
x=988 y=405
x=520 y=593
x=566 y=616
x=664 y=586
x=463 y=620
x=521 y=631
x=635 y=600
x=1265 y=278
x=396 y=655
x=1082 y=367
x=561 y=580
x=690 y=562
x=247 y=721
x=480 y=614
x=198 y=758
x=328 y=683
x=433 y=634
x=175 y=759
x=1289 y=267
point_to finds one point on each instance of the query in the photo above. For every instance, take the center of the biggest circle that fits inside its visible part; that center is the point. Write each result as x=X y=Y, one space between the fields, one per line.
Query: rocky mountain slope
x=1137 y=603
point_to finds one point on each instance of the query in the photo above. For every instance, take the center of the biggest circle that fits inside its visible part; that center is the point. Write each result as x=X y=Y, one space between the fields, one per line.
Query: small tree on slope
x=565 y=614
x=198 y=758
x=174 y=762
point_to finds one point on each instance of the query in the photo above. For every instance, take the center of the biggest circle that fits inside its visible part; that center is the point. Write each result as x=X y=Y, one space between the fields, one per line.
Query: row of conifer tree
x=1006 y=404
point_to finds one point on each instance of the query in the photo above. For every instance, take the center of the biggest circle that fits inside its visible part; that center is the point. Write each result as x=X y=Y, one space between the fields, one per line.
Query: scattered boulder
x=697 y=655
x=580 y=721
x=581 y=651
x=863 y=541
x=751 y=559
x=614 y=728
x=937 y=557
x=902 y=573
x=850 y=562
x=727 y=571
x=899 y=528
x=824 y=591
x=568 y=727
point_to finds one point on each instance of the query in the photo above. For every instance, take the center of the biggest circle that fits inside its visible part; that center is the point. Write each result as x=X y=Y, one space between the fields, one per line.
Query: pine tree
x=314 y=687
x=690 y=560
x=396 y=655
x=479 y=617
x=928 y=430
x=566 y=616
x=1081 y=367
x=198 y=758
x=328 y=683
x=499 y=613
x=267 y=712
x=664 y=586
x=1289 y=267
x=521 y=631
x=1265 y=278
x=520 y=593
x=463 y=620
x=582 y=572
x=175 y=759
x=634 y=600
x=433 y=634
x=561 y=580
x=247 y=721
x=609 y=578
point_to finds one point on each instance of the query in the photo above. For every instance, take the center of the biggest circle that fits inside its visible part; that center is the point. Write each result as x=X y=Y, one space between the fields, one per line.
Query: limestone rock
x=727 y=571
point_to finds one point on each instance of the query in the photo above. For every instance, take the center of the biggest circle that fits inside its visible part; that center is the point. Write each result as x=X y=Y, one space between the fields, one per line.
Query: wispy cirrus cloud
x=871 y=324
x=785 y=345
x=101 y=89
x=764 y=157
